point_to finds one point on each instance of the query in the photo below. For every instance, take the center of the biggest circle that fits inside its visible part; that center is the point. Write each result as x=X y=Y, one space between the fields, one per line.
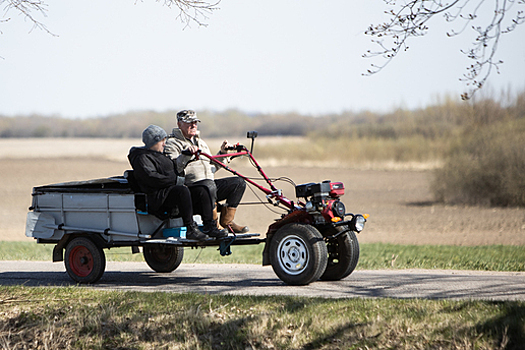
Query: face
x=188 y=129
x=159 y=146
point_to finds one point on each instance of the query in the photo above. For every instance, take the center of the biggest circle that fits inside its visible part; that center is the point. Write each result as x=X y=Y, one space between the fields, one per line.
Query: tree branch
x=26 y=8
x=410 y=20
x=192 y=10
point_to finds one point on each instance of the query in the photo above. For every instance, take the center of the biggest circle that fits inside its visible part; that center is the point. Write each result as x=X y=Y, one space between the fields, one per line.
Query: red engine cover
x=337 y=189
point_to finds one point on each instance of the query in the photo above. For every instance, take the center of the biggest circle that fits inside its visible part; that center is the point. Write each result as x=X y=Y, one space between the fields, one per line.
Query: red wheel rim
x=81 y=261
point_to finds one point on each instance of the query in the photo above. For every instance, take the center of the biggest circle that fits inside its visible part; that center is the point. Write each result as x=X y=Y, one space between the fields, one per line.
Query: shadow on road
x=220 y=279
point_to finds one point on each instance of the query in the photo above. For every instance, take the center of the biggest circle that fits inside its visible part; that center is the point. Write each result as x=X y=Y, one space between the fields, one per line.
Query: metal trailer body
x=103 y=206
x=84 y=217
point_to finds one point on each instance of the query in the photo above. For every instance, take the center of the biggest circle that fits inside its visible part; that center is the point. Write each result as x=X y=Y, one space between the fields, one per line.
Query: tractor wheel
x=85 y=261
x=298 y=254
x=163 y=257
x=343 y=255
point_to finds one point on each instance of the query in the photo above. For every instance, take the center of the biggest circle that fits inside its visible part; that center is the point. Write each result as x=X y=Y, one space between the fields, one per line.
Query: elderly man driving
x=201 y=172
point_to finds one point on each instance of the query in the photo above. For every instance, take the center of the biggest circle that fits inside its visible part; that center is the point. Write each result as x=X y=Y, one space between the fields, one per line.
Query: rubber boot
x=227 y=215
x=210 y=228
x=193 y=232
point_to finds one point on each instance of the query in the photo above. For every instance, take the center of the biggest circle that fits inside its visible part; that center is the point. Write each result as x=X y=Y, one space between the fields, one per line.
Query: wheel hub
x=81 y=261
x=293 y=255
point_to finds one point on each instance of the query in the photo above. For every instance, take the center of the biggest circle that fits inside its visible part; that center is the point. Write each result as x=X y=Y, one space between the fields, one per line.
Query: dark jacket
x=154 y=173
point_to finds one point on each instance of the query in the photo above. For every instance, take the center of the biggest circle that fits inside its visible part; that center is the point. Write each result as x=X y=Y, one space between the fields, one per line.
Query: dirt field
x=399 y=202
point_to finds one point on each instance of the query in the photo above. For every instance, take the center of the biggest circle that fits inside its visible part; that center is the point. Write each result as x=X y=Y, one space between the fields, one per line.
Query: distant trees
x=442 y=121
x=488 y=19
x=215 y=124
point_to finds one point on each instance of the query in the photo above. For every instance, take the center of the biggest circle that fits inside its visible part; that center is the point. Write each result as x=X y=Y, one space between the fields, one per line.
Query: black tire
x=85 y=261
x=163 y=257
x=343 y=256
x=298 y=254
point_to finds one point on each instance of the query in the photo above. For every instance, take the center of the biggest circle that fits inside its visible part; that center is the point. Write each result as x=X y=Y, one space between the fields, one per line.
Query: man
x=156 y=176
x=201 y=172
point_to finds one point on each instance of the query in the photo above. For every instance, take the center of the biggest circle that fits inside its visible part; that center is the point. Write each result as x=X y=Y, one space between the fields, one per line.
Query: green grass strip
x=482 y=258
x=84 y=318
x=372 y=256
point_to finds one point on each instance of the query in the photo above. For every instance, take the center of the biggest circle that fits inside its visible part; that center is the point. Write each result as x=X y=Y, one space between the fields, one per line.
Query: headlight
x=359 y=222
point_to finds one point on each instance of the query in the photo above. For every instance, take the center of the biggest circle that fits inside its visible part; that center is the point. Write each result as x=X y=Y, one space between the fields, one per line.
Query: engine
x=322 y=200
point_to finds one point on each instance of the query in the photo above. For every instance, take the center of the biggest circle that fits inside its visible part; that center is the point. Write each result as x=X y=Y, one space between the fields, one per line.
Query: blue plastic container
x=179 y=232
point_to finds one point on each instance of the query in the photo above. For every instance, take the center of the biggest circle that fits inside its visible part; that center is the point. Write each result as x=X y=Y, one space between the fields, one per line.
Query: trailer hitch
x=224 y=247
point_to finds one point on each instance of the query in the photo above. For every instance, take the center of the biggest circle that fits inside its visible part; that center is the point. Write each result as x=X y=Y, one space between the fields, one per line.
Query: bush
x=485 y=167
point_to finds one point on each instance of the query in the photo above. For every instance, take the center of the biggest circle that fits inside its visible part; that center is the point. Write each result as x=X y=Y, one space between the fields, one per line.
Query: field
x=396 y=196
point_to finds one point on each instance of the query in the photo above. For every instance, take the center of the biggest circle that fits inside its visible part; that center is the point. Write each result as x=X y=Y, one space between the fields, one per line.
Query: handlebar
x=238 y=147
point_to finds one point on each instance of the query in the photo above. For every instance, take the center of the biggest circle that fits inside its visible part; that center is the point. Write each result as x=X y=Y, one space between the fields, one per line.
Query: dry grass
x=82 y=318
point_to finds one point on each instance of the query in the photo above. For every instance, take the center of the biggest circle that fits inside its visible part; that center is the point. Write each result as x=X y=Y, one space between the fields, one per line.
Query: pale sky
x=256 y=56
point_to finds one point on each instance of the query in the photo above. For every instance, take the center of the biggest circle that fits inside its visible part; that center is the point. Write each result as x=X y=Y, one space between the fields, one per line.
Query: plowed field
x=399 y=202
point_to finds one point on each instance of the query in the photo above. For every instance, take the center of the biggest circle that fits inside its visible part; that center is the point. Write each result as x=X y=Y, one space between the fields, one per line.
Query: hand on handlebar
x=190 y=150
x=226 y=146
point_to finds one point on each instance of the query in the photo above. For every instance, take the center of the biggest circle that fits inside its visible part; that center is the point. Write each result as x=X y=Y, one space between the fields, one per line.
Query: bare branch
x=192 y=10
x=410 y=20
x=28 y=9
x=189 y=10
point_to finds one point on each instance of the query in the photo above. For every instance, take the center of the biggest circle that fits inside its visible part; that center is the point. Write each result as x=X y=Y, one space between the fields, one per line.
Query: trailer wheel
x=298 y=254
x=343 y=255
x=85 y=261
x=163 y=257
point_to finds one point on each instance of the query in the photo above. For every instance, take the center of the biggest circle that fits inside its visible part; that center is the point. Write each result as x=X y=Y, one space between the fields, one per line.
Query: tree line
x=131 y=124
x=439 y=121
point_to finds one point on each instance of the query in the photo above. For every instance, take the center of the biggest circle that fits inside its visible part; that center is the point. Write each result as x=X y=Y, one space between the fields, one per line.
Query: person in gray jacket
x=180 y=147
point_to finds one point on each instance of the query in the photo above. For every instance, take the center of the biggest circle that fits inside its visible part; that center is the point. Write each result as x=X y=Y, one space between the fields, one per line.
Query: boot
x=193 y=232
x=227 y=215
x=216 y=219
x=210 y=228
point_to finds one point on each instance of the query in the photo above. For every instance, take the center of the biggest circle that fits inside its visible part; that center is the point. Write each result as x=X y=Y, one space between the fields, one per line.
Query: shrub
x=486 y=167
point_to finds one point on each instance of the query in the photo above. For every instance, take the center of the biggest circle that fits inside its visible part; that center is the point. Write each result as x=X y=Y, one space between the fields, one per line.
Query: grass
x=84 y=318
x=372 y=256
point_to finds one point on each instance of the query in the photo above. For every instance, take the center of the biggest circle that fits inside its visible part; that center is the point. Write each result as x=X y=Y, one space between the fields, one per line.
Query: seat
x=141 y=199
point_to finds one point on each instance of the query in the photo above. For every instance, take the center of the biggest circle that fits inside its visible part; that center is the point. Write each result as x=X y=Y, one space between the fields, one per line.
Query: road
x=258 y=280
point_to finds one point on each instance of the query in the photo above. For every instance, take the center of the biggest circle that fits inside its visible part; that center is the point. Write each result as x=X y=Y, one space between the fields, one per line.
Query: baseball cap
x=187 y=116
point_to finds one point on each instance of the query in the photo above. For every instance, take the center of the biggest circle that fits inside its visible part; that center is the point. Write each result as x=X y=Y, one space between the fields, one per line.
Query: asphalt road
x=258 y=280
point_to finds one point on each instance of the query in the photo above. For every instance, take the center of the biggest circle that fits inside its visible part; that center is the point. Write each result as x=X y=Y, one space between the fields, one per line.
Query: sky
x=258 y=56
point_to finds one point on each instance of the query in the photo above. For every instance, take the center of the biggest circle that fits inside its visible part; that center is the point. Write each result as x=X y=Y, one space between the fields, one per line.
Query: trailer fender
x=266 y=251
x=58 y=250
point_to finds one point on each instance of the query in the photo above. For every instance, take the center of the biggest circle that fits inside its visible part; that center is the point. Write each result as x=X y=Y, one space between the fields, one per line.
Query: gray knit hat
x=187 y=116
x=153 y=134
